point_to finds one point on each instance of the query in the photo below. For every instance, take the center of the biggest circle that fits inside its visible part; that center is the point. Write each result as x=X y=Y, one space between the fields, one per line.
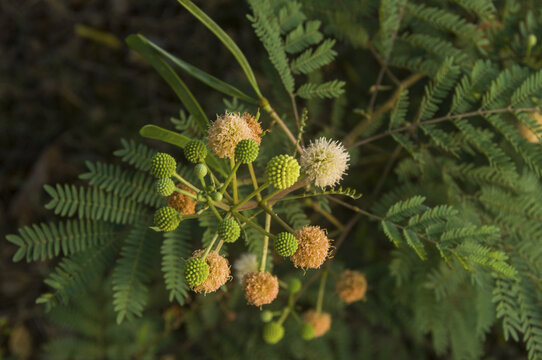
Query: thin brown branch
x=439 y=120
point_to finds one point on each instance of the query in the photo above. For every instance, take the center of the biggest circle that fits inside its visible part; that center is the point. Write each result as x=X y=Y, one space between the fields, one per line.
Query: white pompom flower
x=245 y=264
x=325 y=161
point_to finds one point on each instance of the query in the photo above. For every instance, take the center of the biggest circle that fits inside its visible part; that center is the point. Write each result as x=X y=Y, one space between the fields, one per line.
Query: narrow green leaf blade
x=199 y=74
x=226 y=40
x=171 y=77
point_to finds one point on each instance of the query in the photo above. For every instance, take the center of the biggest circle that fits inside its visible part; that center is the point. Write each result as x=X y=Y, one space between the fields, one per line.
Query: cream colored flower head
x=325 y=162
x=245 y=264
x=228 y=129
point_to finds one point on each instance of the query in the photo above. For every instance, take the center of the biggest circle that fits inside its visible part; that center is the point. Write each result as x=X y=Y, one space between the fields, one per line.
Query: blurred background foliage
x=69 y=90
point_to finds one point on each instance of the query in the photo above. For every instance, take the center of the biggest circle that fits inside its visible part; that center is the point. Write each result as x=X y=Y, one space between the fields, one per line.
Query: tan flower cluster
x=182 y=203
x=527 y=133
x=219 y=272
x=320 y=321
x=260 y=288
x=313 y=247
x=228 y=129
x=351 y=286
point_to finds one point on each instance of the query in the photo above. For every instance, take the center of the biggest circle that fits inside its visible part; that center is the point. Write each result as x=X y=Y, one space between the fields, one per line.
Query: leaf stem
x=234 y=168
x=275 y=217
x=265 y=242
x=254 y=180
x=321 y=290
x=231 y=177
x=187 y=183
x=209 y=247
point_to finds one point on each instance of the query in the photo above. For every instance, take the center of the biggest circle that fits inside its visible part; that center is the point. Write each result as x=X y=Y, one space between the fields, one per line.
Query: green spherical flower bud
x=200 y=170
x=307 y=331
x=282 y=171
x=273 y=332
x=246 y=151
x=285 y=244
x=229 y=230
x=165 y=186
x=167 y=218
x=266 y=316
x=163 y=165
x=195 y=151
x=196 y=271
x=216 y=196
x=532 y=40
x=294 y=285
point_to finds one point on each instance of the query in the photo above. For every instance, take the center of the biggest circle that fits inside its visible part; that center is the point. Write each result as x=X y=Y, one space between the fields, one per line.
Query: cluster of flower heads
x=238 y=137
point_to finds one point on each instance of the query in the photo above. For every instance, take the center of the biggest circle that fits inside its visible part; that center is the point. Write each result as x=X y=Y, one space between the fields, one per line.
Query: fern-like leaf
x=175 y=247
x=91 y=204
x=311 y=60
x=132 y=272
x=331 y=89
x=45 y=241
x=137 y=155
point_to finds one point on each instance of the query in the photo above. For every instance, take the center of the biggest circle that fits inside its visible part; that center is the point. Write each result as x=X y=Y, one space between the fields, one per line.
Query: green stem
x=187 y=183
x=194 y=216
x=275 y=217
x=185 y=193
x=321 y=291
x=284 y=315
x=253 y=224
x=234 y=167
x=209 y=247
x=219 y=246
x=254 y=180
x=265 y=242
x=213 y=208
x=229 y=179
x=250 y=196
x=269 y=196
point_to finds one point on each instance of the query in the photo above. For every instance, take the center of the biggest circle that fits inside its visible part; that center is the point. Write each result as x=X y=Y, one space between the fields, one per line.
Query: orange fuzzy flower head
x=321 y=321
x=313 y=247
x=227 y=130
x=260 y=288
x=219 y=272
x=351 y=286
x=182 y=203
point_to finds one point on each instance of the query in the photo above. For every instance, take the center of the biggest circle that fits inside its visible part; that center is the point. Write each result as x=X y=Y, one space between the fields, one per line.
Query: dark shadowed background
x=70 y=89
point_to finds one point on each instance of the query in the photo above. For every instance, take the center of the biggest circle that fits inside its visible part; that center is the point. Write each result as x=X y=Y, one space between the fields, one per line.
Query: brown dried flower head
x=320 y=321
x=219 y=272
x=313 y=247
x=260 y=288
x=351 y=286
x=182 y=203
x=228 y=129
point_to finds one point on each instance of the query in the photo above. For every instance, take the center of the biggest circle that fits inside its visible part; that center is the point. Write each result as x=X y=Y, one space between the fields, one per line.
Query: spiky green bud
x=167 y=218
x=246 y=151
x=196 y=271
x=163 y=165
x=294 y=285
x=266 y=316
x=195 y=151
x=307 y=331
x=282 y=171
x=164 y=187
x=216 y=196
x=273 y=332
x=228 y=230
x=285 y=244
x=200 y=170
